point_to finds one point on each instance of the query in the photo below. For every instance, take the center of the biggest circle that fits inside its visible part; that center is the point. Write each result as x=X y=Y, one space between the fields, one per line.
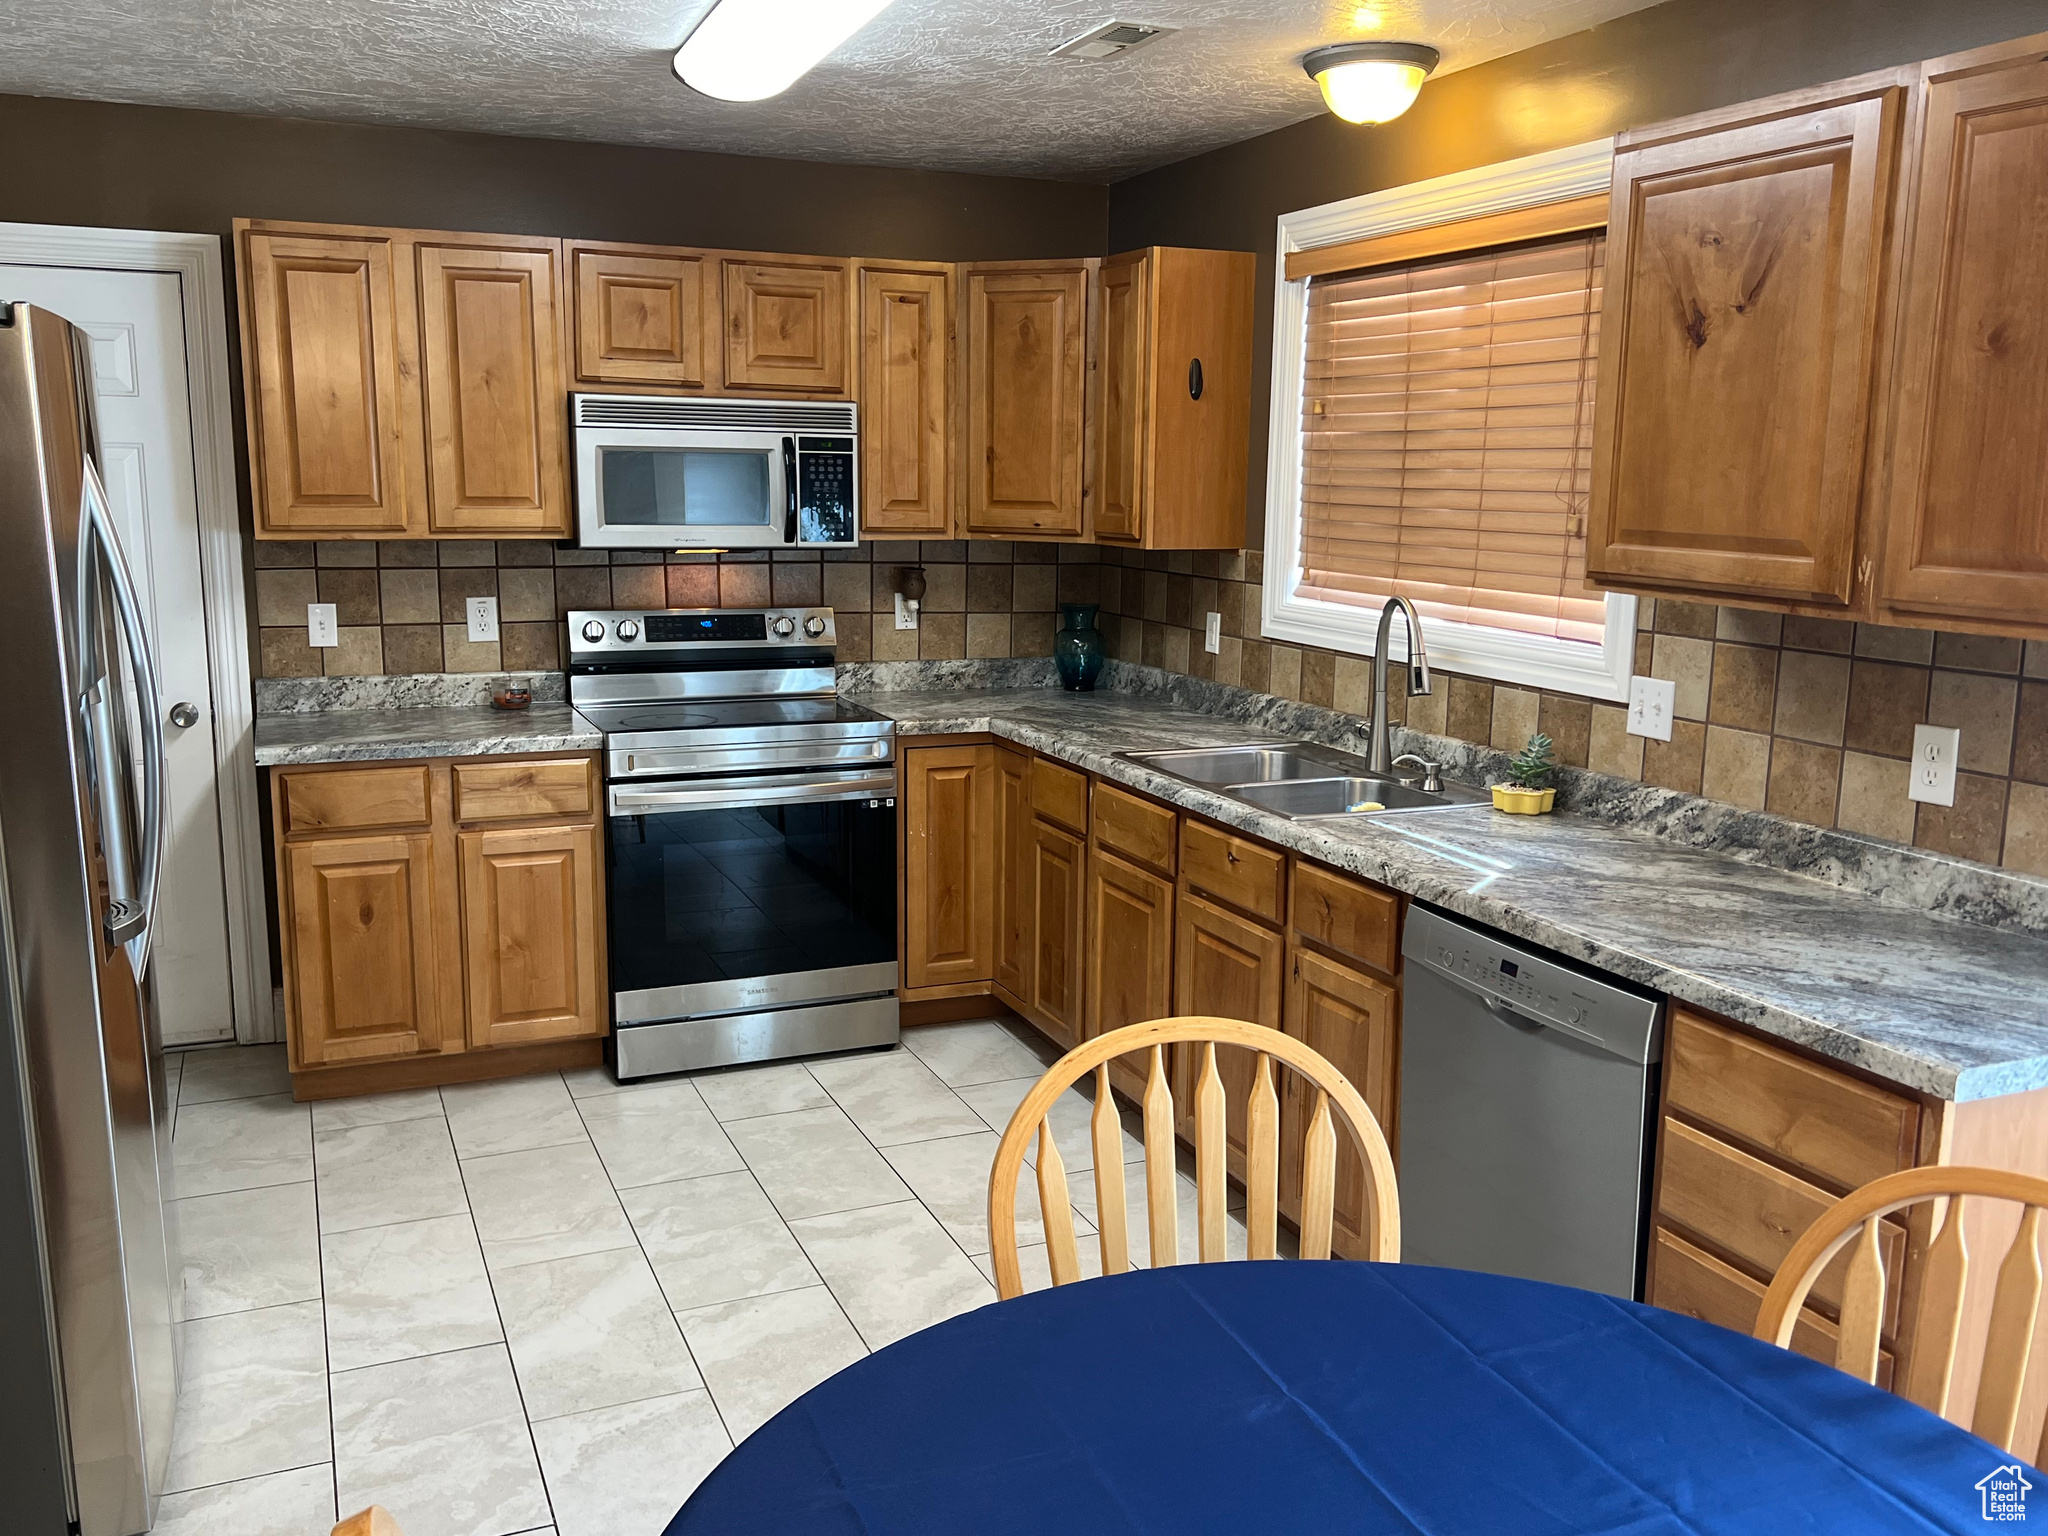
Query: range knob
x=629 y=629
x=593 y=631
x=783 y=627
x=814 y=626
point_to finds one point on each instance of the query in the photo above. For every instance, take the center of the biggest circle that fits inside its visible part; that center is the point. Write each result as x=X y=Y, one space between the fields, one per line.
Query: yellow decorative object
x=1523 y=802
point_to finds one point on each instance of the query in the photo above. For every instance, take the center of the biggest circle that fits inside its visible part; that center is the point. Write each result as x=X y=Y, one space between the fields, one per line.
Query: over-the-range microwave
x=656 y=472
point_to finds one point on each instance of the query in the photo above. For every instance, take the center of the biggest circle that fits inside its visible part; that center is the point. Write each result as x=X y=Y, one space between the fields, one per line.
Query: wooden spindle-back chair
x=374 y=1521
x=2015 y=1305
x=1262 y=1154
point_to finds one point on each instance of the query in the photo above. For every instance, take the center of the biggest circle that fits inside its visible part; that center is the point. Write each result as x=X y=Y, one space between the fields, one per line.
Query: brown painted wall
x=1683 y=56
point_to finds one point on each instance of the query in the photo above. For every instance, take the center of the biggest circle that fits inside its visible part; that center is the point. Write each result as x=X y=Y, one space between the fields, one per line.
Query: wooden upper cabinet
x=948 y=877
x=1739 y=335
x=786 y=325
x=905 y=396
x=532 y=934
x=1173 y=408
x=1026 y=332
x=491 y=377
x=639 y=316
x=1967 y=525
x=320 y=358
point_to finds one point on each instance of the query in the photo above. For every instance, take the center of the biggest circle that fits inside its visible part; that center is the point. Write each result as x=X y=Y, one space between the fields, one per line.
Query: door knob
x=184 y=716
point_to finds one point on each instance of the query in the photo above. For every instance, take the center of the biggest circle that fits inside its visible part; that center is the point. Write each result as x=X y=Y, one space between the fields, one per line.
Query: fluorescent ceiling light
x=749 y=50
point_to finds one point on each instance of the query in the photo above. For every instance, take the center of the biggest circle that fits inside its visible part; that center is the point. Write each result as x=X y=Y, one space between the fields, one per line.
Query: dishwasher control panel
x=1615 y=1018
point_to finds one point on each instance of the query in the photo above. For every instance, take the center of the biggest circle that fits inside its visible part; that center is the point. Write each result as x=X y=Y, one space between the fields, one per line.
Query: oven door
x=670 y=488
x=766 y=892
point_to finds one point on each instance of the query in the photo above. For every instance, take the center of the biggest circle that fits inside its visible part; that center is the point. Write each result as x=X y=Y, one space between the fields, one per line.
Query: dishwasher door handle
x=1528 y=1024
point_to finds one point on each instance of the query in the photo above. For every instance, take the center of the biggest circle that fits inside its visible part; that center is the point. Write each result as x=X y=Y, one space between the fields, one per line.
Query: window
x=1436 y=441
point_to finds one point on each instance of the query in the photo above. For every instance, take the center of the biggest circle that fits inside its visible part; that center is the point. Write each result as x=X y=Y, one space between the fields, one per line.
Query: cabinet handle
x=1229 y=856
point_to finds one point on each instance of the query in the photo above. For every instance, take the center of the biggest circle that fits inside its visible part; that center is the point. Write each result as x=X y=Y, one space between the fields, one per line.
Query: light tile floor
x=553 y=1304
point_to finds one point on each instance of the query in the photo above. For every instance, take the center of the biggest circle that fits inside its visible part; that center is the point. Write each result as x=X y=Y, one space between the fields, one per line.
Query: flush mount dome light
x=749 y=50
x=1370 y=82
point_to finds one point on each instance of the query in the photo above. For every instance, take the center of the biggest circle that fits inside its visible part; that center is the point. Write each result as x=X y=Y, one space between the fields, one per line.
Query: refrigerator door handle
x=129 y=922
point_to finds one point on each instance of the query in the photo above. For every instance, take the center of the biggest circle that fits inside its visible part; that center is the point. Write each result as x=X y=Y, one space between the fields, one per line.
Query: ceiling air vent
x=1111 y=40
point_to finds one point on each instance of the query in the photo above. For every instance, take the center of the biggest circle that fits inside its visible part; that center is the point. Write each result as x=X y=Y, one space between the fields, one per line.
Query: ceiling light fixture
x=749 y=50
x=1370 y=82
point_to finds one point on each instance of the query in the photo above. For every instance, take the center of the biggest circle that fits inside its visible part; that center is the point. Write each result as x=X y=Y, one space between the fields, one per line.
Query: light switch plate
x=1212 y=633
x=321 y=625
x=1933 y=779
x=1651 y=701
x=906 y=613
x=483 y=618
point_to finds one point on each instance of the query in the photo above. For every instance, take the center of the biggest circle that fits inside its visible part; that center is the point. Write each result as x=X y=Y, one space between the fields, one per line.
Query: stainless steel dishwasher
x=1527 y=1095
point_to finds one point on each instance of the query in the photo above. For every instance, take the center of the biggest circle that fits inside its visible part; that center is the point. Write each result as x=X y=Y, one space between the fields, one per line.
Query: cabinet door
x=320 y=357
x=1228 y=967
x=948 y=877
x=1129 y=969
x=786 y=326
x=1738 y=335
x=1013 y=875
x=1059 y=874
x=1968 y=506
x=1123 y=414
x=1026 y=354
x=363 y=956
x=639 y=317
x=1351 y=1020
x=532 y=938
x=904 y=396
x=491 y=379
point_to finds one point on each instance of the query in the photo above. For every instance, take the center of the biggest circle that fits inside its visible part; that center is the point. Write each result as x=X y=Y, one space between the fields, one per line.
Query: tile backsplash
x=400 y=604
x=1807 y=718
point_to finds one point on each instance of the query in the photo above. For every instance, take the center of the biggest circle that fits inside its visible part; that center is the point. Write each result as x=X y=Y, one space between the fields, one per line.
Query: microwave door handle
x=789 y=490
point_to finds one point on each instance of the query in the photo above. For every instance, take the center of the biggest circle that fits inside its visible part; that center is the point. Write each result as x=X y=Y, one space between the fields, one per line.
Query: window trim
x=1554 y=176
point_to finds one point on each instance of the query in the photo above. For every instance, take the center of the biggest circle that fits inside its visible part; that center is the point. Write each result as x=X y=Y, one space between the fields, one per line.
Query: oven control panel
x=609 y=634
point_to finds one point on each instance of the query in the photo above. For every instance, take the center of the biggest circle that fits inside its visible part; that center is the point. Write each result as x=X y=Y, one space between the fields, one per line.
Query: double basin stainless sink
x=1302 y=782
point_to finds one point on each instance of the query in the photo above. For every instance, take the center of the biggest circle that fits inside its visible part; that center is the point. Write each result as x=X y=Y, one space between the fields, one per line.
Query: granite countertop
x=1949 y=1008
x=381 y=735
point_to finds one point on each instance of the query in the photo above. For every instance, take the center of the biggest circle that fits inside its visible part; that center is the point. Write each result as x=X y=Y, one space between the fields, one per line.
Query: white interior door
x=136 y=321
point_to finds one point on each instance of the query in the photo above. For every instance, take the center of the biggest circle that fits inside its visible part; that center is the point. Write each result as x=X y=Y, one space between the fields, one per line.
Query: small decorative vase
x=1077 y=648
x=1517 y=801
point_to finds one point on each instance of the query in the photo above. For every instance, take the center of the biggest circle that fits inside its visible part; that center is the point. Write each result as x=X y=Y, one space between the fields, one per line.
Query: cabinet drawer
x=1756 y=1212
x=1241 y=873
x=1059 y=794
x=502 y=791
x=1346 y=916
x=1137 y=829
x=1683 y=1279
x=1844 y=1131
x=353 y=798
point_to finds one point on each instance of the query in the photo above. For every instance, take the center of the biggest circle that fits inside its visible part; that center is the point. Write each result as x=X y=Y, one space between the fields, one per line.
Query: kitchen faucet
x=1381 y=751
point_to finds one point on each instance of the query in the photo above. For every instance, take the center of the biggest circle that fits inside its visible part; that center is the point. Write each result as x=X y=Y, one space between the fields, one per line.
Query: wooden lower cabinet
x=367 y=939
x=1129 y=963
x=433 y=941
x=948 y=877
x=1013 y=875
x=1352 y=1020
x=1059 y=905
x=530 y=933
x=1230 y=967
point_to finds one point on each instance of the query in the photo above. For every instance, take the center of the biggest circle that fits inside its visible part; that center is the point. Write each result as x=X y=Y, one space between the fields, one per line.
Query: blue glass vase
x=1077 y=648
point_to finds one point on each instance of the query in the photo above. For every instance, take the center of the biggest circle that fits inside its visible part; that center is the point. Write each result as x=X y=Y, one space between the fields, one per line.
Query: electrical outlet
x=1935 y=749
x=1650 y=703
x=483 y=618
x=906 y=613
x=320 y=625
x=1212 y=633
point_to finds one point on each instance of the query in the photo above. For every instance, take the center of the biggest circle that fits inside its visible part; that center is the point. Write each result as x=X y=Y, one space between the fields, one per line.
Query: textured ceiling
x=942 y=84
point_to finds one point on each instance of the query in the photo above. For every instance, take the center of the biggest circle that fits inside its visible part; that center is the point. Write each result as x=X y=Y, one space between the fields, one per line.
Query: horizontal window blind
x=1447 y=437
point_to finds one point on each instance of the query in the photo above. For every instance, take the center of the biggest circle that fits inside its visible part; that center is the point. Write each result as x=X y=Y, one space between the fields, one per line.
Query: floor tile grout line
x=253 y=1477
x=326 y=1354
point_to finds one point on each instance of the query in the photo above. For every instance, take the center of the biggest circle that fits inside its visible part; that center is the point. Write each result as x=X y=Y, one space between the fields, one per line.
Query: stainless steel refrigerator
x=89 y=1278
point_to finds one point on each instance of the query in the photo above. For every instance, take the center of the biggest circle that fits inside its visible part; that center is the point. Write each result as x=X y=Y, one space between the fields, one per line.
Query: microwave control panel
x=826 y=504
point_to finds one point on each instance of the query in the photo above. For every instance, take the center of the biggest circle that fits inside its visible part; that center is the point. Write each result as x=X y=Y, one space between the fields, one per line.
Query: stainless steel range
x=752 y=837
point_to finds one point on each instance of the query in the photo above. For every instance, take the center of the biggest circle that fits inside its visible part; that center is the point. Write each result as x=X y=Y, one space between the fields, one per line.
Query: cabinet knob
x=1195 y=379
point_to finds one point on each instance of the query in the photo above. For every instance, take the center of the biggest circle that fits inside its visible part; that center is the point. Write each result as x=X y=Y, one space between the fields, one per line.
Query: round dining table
x=1342 y=1397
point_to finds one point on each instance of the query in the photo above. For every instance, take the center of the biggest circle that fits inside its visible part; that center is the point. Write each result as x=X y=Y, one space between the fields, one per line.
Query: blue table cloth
x=1341 y=1397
